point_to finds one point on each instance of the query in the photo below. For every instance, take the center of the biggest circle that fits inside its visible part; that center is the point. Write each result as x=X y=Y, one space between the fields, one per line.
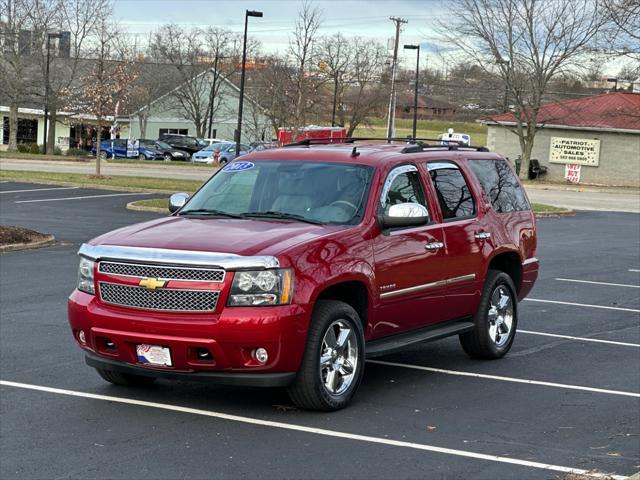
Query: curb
x=140 y=208
x=13 y=247
x=568 y=213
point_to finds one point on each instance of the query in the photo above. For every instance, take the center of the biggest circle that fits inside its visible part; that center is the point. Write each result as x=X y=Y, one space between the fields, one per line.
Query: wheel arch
x=510 y=263
x=354 y=292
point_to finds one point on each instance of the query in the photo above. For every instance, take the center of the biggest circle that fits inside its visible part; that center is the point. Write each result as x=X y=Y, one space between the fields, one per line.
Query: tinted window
x=453 y=193
x=404 y=188
x=500 y=184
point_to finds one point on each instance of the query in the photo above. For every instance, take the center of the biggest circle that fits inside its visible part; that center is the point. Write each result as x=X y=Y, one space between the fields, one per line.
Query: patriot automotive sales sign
x=577 y=151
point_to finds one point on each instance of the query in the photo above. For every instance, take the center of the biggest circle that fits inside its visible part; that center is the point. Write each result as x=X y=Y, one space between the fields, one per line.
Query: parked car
x=145 y=152
x=222 y=152
x=185 y=143
x=259 y=146
x=167 y=151
x=291 y=266
x=205 y=142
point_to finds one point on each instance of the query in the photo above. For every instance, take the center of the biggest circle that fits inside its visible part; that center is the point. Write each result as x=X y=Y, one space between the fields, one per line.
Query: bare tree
x=622 y=31
x=303 y=52
x=336 y=57
x=79 y=18
x=527 y=43
x=18 y=70
x=107 y=85
x=365 y=93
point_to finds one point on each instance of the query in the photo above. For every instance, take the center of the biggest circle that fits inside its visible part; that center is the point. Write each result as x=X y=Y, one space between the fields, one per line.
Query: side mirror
x=177 y=201
x=405 y=215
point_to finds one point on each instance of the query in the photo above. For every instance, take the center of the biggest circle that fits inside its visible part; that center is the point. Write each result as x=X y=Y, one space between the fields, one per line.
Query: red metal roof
x=619 y=110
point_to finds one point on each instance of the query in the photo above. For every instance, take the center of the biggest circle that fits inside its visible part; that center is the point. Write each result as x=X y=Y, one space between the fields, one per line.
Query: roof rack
x=415 y=145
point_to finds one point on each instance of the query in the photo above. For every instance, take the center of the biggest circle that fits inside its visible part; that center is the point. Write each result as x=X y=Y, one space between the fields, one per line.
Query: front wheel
x=141 y=157
x=495 y=320
x=333 y=362
x=125 y=379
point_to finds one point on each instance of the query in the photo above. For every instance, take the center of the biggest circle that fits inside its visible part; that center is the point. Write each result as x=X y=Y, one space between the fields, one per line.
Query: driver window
x=406 y=187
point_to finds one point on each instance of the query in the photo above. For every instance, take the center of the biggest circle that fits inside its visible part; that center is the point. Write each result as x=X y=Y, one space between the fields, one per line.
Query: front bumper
x=230 y=334
x=220 y=378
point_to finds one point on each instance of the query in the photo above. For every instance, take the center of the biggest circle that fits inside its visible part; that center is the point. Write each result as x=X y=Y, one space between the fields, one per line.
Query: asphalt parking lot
x=567 y=397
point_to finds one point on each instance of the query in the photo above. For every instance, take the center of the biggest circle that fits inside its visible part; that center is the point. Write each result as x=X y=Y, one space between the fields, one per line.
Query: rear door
x=467 y=238
x=409 y=262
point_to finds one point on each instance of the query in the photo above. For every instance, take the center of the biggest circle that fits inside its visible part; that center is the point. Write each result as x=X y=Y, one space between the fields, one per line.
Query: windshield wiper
x=207 y=211
x=282 y=215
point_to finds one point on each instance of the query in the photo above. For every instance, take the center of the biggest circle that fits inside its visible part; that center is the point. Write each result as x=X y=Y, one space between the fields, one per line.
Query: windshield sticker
x=238 y=167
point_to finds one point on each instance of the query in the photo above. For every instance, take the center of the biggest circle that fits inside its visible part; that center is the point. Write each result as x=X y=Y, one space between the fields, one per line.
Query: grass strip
x=121 y=182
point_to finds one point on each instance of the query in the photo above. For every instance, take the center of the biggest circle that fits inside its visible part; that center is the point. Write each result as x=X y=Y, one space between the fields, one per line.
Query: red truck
x=289 y=267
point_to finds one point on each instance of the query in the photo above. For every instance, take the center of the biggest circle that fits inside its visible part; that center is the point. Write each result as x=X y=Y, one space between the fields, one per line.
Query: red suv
x=291 y=266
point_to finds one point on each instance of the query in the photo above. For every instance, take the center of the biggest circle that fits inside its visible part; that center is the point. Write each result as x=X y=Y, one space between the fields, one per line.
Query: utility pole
x=391 y=123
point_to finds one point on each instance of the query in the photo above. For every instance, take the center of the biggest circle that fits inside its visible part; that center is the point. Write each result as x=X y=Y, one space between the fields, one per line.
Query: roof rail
x=414 y=144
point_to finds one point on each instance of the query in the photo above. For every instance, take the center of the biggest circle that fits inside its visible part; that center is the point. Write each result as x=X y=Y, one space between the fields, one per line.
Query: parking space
x=558 y=402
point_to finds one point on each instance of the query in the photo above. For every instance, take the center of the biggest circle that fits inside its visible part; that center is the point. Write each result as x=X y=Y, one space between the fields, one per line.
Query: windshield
x=216 y=147
x=163 y=145
x=316 y=191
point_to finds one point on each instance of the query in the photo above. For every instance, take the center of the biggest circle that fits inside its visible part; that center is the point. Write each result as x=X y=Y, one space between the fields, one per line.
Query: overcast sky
x=368 y=18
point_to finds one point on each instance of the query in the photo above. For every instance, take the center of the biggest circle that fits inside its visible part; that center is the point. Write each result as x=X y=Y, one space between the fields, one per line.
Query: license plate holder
x=155 y=355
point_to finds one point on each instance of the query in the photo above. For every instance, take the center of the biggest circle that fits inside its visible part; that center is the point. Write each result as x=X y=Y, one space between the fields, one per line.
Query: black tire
x=478 y=343
x=167 y=157
x=141 y=157
x=223 y=161
x=104 y=155
x=309 y=391
x=126 y=379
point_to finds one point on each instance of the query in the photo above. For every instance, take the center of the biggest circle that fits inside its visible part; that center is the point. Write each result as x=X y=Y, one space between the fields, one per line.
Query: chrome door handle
x=434 y=245
x=482 y=235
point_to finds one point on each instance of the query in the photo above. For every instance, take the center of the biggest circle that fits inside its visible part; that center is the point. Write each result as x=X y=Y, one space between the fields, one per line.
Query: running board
x=386 y=345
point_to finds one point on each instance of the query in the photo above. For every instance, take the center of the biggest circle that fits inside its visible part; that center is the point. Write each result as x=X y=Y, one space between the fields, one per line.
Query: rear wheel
x=333 y=362
x=167 y=156
x=103 y=155
x=126 y=379
x=141 y=157
x=495 y=321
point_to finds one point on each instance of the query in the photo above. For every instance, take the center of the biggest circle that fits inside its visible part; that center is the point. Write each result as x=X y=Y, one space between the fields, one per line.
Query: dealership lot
x=553 y=404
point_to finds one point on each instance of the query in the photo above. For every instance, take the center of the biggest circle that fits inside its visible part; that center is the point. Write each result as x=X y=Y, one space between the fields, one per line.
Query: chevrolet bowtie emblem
x=152 y=283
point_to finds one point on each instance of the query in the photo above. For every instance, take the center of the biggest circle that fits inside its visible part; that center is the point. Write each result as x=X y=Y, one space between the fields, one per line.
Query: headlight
x=264 y=287
x=85 y=276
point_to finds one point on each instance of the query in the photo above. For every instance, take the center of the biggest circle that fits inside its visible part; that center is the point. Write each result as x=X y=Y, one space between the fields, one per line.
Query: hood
x=239 y=236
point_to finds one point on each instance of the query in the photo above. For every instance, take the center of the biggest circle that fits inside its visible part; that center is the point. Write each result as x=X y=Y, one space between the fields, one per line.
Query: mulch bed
x=10 y=235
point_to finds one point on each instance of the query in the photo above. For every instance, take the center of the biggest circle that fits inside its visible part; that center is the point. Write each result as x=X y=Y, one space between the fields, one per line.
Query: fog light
x=261 y=355
x=82 y=337
x=110 y=345
x=204 y=355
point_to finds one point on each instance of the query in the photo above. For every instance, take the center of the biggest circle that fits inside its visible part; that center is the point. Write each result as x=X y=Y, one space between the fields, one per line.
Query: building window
x=173 y=131
x=27 y=130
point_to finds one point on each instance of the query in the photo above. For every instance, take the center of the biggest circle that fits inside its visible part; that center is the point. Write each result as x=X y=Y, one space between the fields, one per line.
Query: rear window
x=500 y=184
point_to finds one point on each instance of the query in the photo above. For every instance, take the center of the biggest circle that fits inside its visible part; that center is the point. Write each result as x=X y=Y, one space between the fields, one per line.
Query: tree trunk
x=98 y=142
x=51 y=132
x=526 y=147
x=142 y=122
x=13 y=127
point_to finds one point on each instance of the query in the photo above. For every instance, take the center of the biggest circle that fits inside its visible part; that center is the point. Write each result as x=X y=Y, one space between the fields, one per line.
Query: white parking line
x=507 y=379
x=634 y=270
x=80 y=198
x=38 y=189
x=313 y=430
x=598 y=283
x=581 y=339
x=621 y=309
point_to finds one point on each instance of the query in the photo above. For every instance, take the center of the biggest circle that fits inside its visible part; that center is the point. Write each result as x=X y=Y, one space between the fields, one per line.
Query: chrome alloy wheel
x=500 y=315
x=338 y=357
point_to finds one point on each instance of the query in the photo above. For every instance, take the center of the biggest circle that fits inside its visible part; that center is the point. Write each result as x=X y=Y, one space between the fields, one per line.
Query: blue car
x=120 y=150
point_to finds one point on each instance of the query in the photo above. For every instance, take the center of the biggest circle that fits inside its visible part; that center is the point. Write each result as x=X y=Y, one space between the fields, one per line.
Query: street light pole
x=46 y=86
x=415 y=93
x=238 y=132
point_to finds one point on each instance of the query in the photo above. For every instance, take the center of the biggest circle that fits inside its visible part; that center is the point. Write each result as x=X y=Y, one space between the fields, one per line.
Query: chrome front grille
x=163 y=299
x=162 y=272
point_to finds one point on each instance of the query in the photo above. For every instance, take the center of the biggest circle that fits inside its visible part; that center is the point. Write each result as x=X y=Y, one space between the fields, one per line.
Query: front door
x=409 y=262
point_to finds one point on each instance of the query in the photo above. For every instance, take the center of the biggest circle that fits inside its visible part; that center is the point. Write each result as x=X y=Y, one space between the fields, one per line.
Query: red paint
x=321 y=256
